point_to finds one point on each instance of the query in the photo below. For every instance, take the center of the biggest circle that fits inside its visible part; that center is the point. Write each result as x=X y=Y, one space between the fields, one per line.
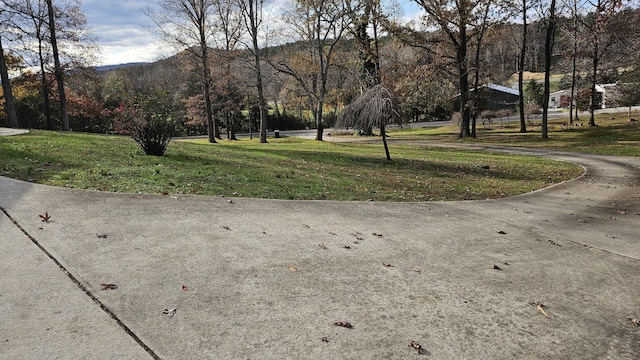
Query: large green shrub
x=148 y=119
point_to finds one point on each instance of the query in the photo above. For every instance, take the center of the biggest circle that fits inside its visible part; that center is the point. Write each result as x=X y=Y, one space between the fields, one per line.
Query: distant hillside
x=118 y=66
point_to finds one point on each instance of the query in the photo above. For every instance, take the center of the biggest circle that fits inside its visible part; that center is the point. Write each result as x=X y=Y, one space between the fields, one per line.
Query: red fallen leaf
x=184 y=288
x=46 y=217
x=108 y=286
x=343 y=323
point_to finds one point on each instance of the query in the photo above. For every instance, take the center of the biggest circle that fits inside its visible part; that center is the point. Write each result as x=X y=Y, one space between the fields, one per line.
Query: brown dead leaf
x=169 y=312
x=540 y=306
x=343 y=323
x=101 y=236
x=501 y=232
x=46 y=217
x=108 y=286
x=292 y=268
x=225 y=227
x=184 y=288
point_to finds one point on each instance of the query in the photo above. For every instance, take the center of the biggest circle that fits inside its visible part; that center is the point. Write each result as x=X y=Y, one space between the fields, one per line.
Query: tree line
x=234 y=71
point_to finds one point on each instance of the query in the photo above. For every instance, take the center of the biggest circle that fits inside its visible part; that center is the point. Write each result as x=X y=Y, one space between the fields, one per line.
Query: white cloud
x=121 y=28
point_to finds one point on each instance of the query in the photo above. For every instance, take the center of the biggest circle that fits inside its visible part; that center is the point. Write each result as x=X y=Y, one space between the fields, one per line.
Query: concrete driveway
x=553 y=274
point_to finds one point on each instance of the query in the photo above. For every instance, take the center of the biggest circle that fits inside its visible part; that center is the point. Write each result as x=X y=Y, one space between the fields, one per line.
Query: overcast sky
x=123 y=30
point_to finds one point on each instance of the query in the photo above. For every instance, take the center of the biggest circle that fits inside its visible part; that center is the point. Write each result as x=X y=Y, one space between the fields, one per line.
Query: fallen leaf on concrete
x=377 y=235
x=170 y=312
x=343 y=323
x=184 y=288
x=347 y=247
x=540 y=306
x=292 y=268
x=108 y=286
x=496 y=267
x=387 y=264
x=101 y=236
x=634 y=321
x=226 y=227
x=46 y=217
x=502 y=232
x=417 y=346
x=325 y=339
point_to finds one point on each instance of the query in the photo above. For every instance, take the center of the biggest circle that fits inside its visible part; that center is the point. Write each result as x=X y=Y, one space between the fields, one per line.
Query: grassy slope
x=286 y=168
x=614 y=135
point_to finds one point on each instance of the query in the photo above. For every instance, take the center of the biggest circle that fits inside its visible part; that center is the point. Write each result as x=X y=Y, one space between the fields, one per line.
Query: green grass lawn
x=614 y=135
x=285 y=168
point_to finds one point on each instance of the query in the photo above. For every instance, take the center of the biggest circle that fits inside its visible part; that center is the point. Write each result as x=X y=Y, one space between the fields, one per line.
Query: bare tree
x=252 y=12
x=57 y=32
x=548 y=51
x=64 y=118
x=458 y=21
x=521 y=59
x=319 y=24
x=9 y=101
x=602 y=38
x=376 y=107
x=186 y=23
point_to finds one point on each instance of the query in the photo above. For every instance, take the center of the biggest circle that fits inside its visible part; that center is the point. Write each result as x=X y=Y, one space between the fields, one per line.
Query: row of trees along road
x=242 y=58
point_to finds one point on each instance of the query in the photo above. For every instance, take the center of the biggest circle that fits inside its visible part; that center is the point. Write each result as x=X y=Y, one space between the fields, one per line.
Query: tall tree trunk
x=45 y=87
x=594 y=80
x=463 y=72
x=548 y=52
x=252 y=14
x=206 y=79
x=64 y=118
x=9 y=101
x=521 y=60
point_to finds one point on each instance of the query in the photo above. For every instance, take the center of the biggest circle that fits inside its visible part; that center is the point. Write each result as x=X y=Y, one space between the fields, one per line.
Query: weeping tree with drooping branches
x=377 y=107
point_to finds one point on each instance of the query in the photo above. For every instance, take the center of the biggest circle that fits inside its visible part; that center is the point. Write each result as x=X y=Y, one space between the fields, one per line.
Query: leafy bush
x=148 y=119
